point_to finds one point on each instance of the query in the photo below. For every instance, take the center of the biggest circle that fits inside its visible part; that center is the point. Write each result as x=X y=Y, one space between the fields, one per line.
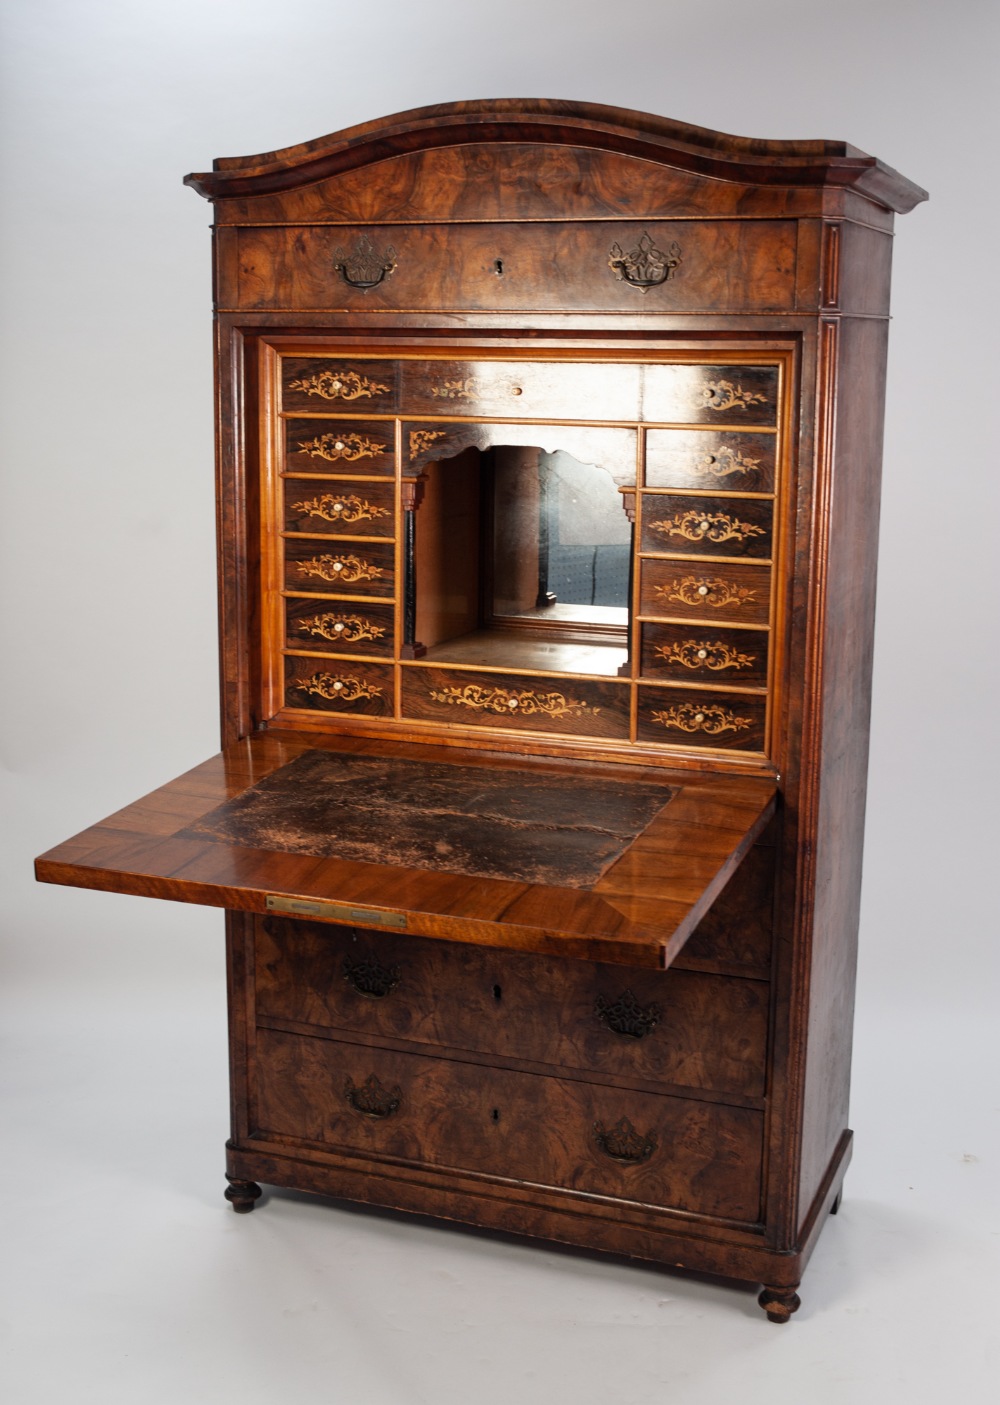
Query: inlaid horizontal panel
x=647 y=267
x=658 y=1150
x=679 y=1027
x=337 y=384
x=710 y=460
x=350 y=447
x=342 y=687
x=580 y=707
x=737 y=395
x=612 y=449
x=688 y=717
x=353 y=568
x=530 y=389
x=728 y=591
x=707 y=654
x=706 y=526
x=327 y=506
x=331 y=628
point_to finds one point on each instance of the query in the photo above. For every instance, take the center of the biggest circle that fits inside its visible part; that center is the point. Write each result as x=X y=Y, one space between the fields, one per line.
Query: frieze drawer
x=448 y=1115
x=682 y=1028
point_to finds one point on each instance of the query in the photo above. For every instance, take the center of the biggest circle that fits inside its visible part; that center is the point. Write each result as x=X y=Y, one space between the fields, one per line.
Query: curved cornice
x=715 y=155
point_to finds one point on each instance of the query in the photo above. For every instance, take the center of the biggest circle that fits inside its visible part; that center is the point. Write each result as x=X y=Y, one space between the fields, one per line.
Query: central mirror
x=522 y=561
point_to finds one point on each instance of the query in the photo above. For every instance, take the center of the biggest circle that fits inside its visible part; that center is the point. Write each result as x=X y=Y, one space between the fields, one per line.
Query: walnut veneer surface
x=549 y=442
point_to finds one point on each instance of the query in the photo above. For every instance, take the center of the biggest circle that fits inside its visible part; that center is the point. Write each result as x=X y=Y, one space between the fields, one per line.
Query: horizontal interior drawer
x=443 y=1113
x=705 y=654
x=691 y=590
x=338 y=384
x=705 y=526
x=524 y=703
x=699 y=717
x=339 y=508
x=710 y=460
x=344 y=568
x=340 y=687
x=349 y=448
x=676 y=1027
x=339 y=628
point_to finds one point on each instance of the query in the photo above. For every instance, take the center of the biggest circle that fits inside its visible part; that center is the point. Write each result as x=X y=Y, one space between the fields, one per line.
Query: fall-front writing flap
x=590 y=861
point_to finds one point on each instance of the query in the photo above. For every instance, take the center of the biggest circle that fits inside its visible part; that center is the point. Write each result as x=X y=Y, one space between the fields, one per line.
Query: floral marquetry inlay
x=422 y=439
x=466 y=389
x=341 y=568
x=700 y=653
x=724 y=462
x=339 y=689
x=723 y=395
x=707 y=526
x=339 y=385
x=332 y=508
x=706 y=590
x=504 y=700
x=342 y=629
x=334 y=447
x=710 y=718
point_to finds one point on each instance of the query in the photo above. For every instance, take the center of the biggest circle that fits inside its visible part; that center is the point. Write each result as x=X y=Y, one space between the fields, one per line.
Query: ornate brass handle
x=623 y=1143
x=370 y=978
x=364 y=267
x=645 y=266
x=372 y=1099
x=626 y=1016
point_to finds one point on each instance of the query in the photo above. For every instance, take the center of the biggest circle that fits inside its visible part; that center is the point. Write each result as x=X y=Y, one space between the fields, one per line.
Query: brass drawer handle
x=371 y=1098
x=623 y=1143
x=364 y=267
x=645 y=266
x=368 y=977
x=626 y=1016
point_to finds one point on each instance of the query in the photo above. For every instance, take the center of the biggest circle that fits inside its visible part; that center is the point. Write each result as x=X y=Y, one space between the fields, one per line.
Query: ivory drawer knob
x=703 y=590
x=703 y=653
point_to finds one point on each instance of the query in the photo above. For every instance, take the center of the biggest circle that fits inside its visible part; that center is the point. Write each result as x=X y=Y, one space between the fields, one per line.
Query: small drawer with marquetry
x=339 y=569
x=710 y=460
x=677 y=524
x=684 y=653
x=348 y=448
x=739 y=396
x=364 y=629
x=336 y=508
x=516 y=702
x=338 y=385
x=701 y=717
x=348 y=687
x=577 y=1137
x=555 y=389
x=732 y=593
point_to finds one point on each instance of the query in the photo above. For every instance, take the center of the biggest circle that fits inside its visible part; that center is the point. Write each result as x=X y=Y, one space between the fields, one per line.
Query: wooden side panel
x=847 y=635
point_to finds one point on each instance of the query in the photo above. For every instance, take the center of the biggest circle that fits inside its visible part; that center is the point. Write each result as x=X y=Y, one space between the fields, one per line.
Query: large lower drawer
x=682 y=1028
x=582 y=1137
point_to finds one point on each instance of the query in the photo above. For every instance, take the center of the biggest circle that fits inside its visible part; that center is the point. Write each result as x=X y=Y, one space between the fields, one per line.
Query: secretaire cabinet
x=549 y=443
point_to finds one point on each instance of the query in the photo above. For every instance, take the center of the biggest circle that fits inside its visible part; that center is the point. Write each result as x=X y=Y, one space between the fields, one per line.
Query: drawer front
x=522 y=389
x=729 y=593
x=365 y=629
x=349 y=688
x=613 y=449
x=338 y=384
x=688 y=265
x=705 y=526
x=336 y=508
x=644 y=1147
x=737 y=395
x=692 y=717
x=523 y=703
x=676 y=1027
x=687 y=654
x=709 y=460
x=348 y=448
x=351 y=568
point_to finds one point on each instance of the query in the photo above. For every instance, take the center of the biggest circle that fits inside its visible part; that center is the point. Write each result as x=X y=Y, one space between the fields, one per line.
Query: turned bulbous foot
x=242 y=1195
x=779 y=1303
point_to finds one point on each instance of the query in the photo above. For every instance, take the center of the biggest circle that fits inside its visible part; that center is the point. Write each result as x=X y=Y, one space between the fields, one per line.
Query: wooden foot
x=242 y=1195
x=836 y=1204
x=779 y=1303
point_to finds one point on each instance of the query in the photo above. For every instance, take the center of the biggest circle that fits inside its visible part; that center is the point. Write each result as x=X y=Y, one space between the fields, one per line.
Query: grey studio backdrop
x=125 y=1278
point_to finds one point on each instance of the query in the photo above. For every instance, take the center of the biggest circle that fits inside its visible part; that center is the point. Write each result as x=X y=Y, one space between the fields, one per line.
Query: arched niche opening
x=520 y=557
